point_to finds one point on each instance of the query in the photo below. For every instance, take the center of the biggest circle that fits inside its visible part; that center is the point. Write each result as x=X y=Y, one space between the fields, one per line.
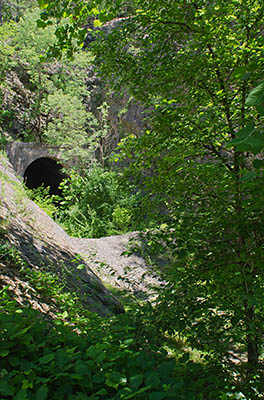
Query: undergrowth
x=79 y=355
x=43 y=199
x=94 y=204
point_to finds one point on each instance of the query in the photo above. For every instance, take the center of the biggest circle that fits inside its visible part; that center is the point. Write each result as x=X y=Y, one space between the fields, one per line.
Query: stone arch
x=21 y=155
x=45 y=171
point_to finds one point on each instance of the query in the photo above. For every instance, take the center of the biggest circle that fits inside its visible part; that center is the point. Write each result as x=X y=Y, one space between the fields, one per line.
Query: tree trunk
x=252 y=341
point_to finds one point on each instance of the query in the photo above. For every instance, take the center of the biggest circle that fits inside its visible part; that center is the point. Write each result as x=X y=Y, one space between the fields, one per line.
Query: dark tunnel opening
x=44 y=171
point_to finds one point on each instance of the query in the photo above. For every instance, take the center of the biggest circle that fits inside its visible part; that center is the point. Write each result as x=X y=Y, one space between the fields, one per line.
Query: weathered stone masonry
x=37 y=163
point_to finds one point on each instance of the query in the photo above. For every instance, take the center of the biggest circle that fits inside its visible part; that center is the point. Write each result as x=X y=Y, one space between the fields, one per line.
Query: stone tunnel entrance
x=44 y=171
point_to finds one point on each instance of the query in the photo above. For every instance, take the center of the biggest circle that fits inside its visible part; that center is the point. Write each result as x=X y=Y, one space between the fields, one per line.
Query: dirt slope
x=125 y=272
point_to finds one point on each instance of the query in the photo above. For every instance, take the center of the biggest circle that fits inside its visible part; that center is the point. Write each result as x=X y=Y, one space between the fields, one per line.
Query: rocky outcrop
x=118 y=262
x=124 y=115
x=44 y=245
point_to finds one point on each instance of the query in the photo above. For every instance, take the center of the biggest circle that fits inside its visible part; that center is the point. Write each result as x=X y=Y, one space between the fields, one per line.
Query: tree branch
x=225 y=101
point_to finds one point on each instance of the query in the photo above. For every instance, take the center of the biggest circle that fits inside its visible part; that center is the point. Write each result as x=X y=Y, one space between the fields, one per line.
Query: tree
x=45 y=100
x=193 y=63
x=24 y=78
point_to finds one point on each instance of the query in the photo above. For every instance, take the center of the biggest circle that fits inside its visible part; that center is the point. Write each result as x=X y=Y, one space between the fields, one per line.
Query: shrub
x=40 y=361
x=42 y=198
x=96 y=205
x=122 y=218
x=80 y=355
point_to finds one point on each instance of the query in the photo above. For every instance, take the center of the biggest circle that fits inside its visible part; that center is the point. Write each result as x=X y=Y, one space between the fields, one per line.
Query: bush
x=43 y=199
x=122 y=218
x=96 y=205
x=80 y=356
x=3 y=140
x=41 y=361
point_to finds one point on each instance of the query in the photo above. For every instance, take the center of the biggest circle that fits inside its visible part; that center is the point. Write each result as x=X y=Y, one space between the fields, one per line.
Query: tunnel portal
x=44 y=171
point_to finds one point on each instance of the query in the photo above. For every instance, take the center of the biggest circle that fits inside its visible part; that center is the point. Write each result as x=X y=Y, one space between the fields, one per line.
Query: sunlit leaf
x=47 y=358
x=97 y=23
x=256 y=96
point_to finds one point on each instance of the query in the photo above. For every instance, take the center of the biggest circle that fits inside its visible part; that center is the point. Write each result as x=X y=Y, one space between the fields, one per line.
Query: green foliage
x=96 y=204
x=52 y=362
x=25 y=79
x=80 y=355
x=198 y=93
x=13 y=10
x=45 y=100
x=122 y=218
x=3 y=141
x=43 y=199
x=250 y=138
x=194 y=63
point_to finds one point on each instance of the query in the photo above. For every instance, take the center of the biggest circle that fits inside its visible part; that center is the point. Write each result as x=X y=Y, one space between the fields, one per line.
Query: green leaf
x=19 y=332
x=21 y=395
x=158 y=396
x=258 y=164
x=129 y=341
x=246 y=131
x=249 y=176
x=101 y=392
x=27 y=384
x=111 y=383
x=6 y=389
x=97 y=23
x=26 y=365
x=64 y=314
x=256 y=96
x=47 y=358
x=4 y=353
x=153 y=379
x=94 y=11
x=138 y=392
x=42 y=393
x=81 y=367
x=43 y=3
x=114 y=379
x=41 y=24
x=135 y=381
x=98 y=378
x=242 y=136
x=81 y=266
x=62 y=358
x=248 y=139
x=101 y=357
x=260 y=109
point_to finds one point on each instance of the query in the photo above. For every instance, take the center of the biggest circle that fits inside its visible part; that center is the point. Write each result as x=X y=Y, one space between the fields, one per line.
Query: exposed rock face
x=43 y=244
x=130 y=273
x=124 y=115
